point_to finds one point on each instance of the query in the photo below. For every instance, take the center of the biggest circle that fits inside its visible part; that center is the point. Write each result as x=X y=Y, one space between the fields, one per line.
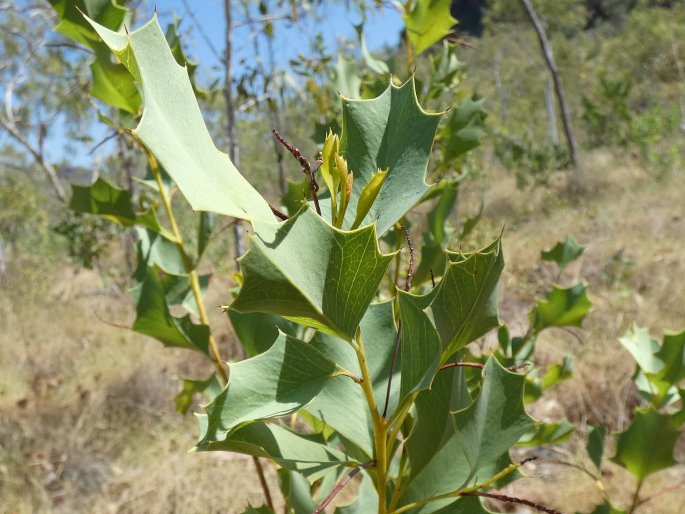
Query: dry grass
x=86 y=409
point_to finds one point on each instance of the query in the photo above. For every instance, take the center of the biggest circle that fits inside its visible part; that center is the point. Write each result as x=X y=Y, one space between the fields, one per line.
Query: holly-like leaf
x=296 y=492
x=204 y=231
x=376 y=136
x=177 y=290
x=564 y=253
x=672 y=354
x=313 y=274
x=155 y=249
x=173 y=129
x=420 y=344
x=662 y=365
x=595 y=445
x=428 y=22
x=465 y=304
x=154 y=319
x=433 y=258
x=341 y=404
x=557 y=373
x=104 y=199
x=293 y=451
x=643 y=348
x=112 y=83
x=483 y=433
x=647 y=445
x=464 y=129
x=562 y=307
x=346 y=82
x=547 y=433
x=462 y=308
x=444 y=69
x=72 y=23
x=257 y=331
x=434 y=423
x=174 y=40
x=275 y=383
x=374 y=64
x=184 y=399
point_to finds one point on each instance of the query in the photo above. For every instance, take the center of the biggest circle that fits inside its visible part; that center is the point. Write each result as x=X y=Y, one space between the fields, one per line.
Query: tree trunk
x=551 y=113
x=3 y=257
x=238 y=229
x=558 y=89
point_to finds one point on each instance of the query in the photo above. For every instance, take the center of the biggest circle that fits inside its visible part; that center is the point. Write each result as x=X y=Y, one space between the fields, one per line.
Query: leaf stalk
x=193 y=277
x=380 y=427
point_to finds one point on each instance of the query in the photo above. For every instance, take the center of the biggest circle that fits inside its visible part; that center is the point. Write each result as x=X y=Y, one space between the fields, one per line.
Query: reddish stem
x=341 y=485
x=278 y=213
x=512 y=499
x=412 y=258
x=262 y=481
x=306 y=167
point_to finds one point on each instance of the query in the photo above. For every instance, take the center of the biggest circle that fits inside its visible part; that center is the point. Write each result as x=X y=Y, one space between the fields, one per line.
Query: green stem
x=193 y=277
x=380 y=427
x=462 y=491
x=399 y=485
x=397 y=419
x=636 y=498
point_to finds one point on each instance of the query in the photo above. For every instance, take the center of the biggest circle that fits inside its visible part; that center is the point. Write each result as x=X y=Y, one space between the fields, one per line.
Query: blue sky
x=382 y=27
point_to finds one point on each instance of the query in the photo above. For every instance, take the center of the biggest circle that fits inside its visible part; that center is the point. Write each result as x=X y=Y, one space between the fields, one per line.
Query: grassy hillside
x=86 y=408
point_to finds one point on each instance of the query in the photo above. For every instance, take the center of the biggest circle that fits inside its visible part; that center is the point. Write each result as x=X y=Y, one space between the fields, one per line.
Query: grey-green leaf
x=648 y=443
x=275 y=383
x=341 y=404
x=595 y=445
x=173 y=129
x=388 y=132
x=154 y=319
x=483 y=433
x=564 y=253
x=313 y=274
x=562 y=307
x=290 y=450
x=465 y=304
x=257 y=331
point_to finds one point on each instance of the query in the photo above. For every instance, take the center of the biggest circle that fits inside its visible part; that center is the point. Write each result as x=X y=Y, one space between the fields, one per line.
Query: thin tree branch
x=262 y=20
x=37 y=155
x=69 y=45
x=546 y=48
x=203 y=34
